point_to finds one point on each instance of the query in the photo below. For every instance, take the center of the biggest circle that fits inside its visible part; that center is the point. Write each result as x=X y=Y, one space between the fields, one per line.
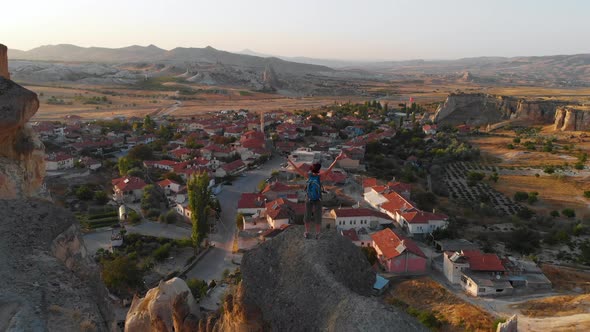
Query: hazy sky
x=337 y=29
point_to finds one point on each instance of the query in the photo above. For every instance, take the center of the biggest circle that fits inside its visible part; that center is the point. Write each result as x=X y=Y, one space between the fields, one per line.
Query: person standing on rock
x=313 y=189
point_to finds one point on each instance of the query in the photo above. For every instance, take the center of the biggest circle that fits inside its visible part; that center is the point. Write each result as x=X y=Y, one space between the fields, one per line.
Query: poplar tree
x=198 y=202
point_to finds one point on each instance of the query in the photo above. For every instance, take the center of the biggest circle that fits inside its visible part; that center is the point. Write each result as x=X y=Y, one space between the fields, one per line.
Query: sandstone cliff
x=4 y=62
x=49 y=282
x=481 y=109
x=168 y=307
x=292 y=284
x=572 y=119
x=22 y=166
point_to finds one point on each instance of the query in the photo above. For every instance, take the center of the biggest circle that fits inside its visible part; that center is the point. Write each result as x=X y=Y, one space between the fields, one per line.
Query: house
x=479 y=274
x=169 y=186
x=252 y=204
x=276 y=190
x=58 y=161
x=167 y=165
x=283 y=212
x=397 y=254
x=429 y=129
x=231 y=168
x=128 y=189
x=182 y=153
x=360 y=238
x=345 y=219
x=91 y=163
x=420 y=222
x=348 y=163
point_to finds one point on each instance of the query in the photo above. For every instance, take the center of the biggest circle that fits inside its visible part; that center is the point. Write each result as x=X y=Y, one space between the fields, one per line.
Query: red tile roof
x=393 y=245
x=166 y=182
x=234 y=165
x=351 y=234
x=280 y=187
x=251 y=201
x=128 y=183
x=421 y=217
x=479 y=261
x=369 y=182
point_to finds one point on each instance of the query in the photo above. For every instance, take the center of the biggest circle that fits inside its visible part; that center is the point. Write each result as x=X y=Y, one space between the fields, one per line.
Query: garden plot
x=460 y=188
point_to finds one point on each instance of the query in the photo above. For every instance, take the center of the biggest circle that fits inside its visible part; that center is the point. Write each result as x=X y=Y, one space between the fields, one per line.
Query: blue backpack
x=314 y=188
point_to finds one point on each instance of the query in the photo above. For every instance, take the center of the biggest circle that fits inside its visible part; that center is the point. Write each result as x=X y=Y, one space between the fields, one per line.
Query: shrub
x=183 y=242
x=549 y=169
x=532 y=198
x=198 y=287
x=170 y=217
x=579 y=165
x=84 y=193
x=520 y=196
x=101 y=197
x=162 y=252
x=371 y=254
x=570 y=213
x=240 y=221
x=523 y=240
x=554 y=213
x=121 y=274
x=133 y=217
x=587 y=193
x=525 y=213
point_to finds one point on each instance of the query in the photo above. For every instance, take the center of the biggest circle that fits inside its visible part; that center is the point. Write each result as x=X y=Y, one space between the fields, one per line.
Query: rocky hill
x=153 y=54
x=480 y=109
x=572 y=118
x=293 y=284
x=49 y=282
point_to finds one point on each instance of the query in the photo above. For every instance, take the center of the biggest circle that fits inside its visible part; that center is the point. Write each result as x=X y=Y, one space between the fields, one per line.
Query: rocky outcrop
x=22 y=166
x=168 y=307
x=572 y=119
x=270 y=80
x=4 y=62
x=293 y=284
x=481 y=109
x=49 y=282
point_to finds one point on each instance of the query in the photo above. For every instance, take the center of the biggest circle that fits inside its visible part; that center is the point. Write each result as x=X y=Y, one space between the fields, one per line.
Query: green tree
x=141 y=152
x=570 y=213
x=198 y=202
x=170 y=217
x=121 y=274
x=148 y=123
x=101 y=197
x=198 y=287
x=84 y=193
x=261 y=185
x=151 y=198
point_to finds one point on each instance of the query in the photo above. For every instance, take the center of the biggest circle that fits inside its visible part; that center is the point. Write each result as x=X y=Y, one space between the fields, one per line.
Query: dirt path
x=579 y=322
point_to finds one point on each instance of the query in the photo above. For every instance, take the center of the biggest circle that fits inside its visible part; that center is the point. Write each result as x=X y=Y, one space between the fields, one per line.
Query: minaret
x=262 y=121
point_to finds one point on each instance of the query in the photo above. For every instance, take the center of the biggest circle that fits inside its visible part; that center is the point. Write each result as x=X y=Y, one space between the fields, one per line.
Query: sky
x=329 y=29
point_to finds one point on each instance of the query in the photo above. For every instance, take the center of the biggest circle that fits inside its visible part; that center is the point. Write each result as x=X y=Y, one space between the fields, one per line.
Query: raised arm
x=340 y=156
x=302 y=173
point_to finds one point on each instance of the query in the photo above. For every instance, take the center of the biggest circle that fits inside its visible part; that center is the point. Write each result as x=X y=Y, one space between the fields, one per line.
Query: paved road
x=212 y=265
x=102 y=238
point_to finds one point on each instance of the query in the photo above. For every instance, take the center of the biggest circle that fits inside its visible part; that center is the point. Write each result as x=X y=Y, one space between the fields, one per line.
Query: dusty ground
x=567 y=279
x=566 y=305
x=554 y=193
x=426 y=294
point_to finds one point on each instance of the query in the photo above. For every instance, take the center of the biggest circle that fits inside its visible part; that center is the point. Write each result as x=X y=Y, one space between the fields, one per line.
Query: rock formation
x=22 y=166
x=4 y=62
x=293 y=284
x=49 y=281
x=270 y=79
x=168 y=307
x=571 y=118
x=480 y=109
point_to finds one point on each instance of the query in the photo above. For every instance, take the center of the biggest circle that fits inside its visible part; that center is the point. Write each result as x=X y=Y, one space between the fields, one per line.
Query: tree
x=148 y=123
x=141 y=152
x=261 y=185
x=198 y=202
x=520 y=196
x=240 y=221
x=151 y=198
x=170 y=217
x=121 y=274
x=124 y=165
x=84 y=193
x=570 y=213
x=198 y=287
x=101 y=197
x=371 y=254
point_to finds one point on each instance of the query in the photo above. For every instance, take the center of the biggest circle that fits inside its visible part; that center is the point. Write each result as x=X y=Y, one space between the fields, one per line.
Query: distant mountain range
x=154 y=54
x=556 y=70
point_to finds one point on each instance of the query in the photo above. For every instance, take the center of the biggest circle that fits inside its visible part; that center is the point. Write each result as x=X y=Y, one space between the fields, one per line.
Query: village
x=253 y=162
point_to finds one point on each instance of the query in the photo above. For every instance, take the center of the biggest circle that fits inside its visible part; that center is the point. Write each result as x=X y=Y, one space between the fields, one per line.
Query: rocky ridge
x=572 y=118
x=293 y=284
x=479 y=109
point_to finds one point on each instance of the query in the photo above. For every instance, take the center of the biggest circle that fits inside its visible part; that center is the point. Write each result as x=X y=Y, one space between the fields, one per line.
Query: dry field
x=567 y=279
x=426 y=294
x=554 y=193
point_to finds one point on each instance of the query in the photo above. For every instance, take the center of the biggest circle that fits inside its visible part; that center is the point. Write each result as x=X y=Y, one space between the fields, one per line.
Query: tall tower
x=262 y=121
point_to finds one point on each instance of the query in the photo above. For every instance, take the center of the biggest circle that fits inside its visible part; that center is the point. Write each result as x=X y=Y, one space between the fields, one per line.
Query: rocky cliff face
x=168 y=307
x=22 y=166
x=4 y=62
x=572 y=119
x=293 y=284
x=49 y=282
x=481 y=109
